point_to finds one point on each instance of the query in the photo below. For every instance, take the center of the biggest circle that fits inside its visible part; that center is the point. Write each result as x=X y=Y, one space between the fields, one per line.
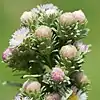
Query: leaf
x=31 y=76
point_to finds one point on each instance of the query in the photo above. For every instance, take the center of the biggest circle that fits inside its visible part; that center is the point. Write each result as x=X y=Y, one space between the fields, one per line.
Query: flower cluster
x=18 y=37
x=69 y=18
x=48 y=46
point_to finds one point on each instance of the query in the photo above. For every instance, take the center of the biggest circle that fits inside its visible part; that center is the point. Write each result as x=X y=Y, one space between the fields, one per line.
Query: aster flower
x=83 y=47
x=35 y=10
x=57 y=74
x=81 y=95
x=51 y=12
x=48 y=7
x=18 y=37
x=21 y=97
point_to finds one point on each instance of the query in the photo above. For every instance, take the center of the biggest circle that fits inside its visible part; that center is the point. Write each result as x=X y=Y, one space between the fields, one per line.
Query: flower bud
x=44 y=32
x=57 y=74
x=83 y=48
x=6 y=54
x=51 y=12
x=26 y=17
x=68 y=51
x=67 y=18
x=80 y=77
x=53 y=96
x=79 y=16
x=31 y=86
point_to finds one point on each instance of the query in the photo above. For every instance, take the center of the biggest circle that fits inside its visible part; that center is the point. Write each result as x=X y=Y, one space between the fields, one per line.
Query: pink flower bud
x=44 y=32
x=53 y=96
x=68 y=51
x=67 y=18
x=79 y=16
x=6 y=54
x=31 y=86
x=57 y=74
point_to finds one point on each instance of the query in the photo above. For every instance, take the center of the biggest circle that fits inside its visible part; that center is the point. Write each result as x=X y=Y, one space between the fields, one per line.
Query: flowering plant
x=48 y=47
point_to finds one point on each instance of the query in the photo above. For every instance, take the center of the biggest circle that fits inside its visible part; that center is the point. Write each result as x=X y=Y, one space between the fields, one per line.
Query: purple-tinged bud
x=6 y=54
x=57 y=74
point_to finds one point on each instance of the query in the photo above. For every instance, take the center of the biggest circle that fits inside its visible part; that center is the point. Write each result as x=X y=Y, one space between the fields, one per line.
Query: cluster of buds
x=42 y=30
x=69 y=18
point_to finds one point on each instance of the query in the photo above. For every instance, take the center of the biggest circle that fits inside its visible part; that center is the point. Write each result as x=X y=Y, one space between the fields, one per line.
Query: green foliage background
x=10 y=12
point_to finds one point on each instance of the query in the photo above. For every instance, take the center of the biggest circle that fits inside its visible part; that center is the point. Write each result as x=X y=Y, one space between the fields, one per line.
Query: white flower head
x=48 y=7
x=51 y=12
x=35 y=10
x=81 y=95
x=18 y=37
x=26 y=17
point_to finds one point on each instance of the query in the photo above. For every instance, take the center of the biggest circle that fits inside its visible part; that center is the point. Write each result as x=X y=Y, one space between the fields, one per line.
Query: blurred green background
x=10 y=12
